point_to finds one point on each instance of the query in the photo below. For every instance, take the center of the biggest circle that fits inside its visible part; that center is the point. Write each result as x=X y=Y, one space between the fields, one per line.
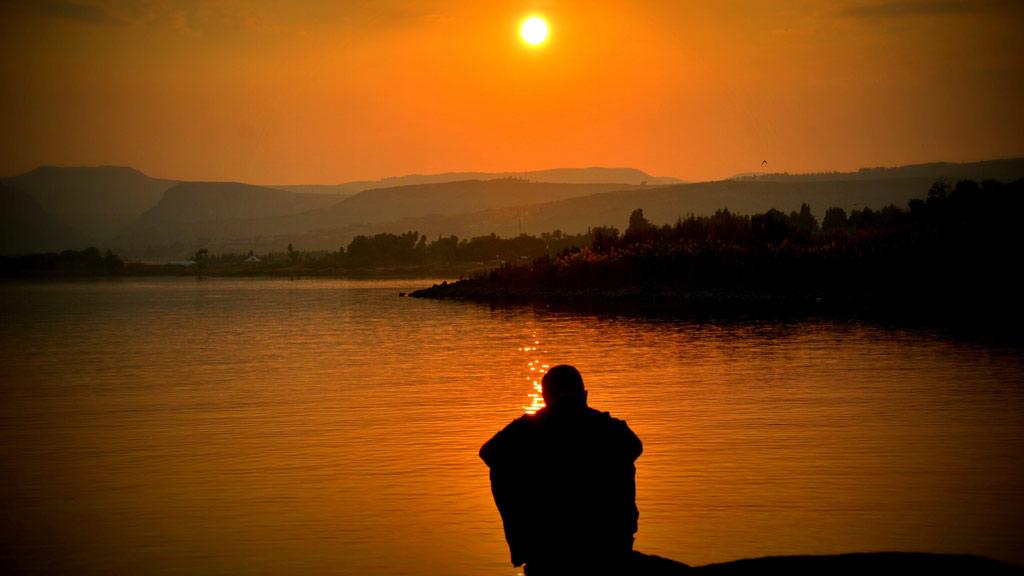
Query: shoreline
x=166 y=272
x=969 y=314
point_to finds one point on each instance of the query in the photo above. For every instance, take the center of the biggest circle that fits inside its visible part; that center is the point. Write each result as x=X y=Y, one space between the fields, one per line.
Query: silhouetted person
x=564 y=483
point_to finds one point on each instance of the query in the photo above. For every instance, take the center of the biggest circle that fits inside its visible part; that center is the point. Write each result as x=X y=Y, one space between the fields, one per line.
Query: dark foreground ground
x=837 y=564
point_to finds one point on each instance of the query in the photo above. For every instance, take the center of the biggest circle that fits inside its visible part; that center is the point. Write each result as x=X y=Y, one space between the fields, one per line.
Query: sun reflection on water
x=534 y=374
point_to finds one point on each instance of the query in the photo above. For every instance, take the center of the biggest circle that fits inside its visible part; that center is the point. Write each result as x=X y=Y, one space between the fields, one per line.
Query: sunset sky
x=325 y=92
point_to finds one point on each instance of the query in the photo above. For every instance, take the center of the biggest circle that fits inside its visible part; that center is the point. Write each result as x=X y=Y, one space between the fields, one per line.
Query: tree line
x=412 y=249
x=88 y=262
x=959 y=242
x=364 y=254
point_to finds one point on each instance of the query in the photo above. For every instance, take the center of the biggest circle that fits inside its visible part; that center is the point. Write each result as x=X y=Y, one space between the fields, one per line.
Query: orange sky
x=324 y=92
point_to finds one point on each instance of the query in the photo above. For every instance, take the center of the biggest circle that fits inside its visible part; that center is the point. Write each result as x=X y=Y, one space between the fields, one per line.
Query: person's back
x=563 y=480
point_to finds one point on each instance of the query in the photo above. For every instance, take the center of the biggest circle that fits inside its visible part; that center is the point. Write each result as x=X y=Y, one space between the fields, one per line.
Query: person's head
x=562 y=386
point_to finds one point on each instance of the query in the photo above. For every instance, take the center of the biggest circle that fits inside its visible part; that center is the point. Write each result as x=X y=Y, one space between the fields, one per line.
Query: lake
x=264 y=426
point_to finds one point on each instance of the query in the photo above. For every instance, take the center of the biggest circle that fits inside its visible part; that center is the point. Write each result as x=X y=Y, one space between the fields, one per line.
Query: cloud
x=922 y=8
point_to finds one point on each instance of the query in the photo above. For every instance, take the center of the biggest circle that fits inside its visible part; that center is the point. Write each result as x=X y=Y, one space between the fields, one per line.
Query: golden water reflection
x=321 y=427
x=535 y=371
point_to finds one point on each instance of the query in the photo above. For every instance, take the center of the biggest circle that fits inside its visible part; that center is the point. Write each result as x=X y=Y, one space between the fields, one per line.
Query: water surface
x=171 y=426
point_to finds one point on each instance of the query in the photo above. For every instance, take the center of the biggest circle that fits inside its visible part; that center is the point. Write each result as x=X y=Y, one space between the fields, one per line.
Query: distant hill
x=26 y=227
x=103 y=201
x=213 y=201
x=593 y=175
x=98 y=200
x=163 y=233
x=1005 y=170
x=336 y=190
x=661 y=205
x=196 y=213
x=224 y=216
x=384 y=204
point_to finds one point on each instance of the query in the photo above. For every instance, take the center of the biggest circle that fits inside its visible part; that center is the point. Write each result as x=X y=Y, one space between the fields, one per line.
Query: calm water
x=330 y=427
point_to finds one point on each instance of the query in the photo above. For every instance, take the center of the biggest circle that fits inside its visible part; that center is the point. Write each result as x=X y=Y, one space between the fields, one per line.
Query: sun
x=534 y=30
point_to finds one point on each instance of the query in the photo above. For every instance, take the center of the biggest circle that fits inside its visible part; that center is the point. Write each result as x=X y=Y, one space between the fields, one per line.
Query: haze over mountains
x=164 y=227
x=205 y=201
x=155 y=219
x=593 y=175
x=120 y=207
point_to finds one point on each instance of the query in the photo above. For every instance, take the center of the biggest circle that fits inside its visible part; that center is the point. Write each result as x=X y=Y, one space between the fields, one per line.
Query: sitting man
x=564 y=483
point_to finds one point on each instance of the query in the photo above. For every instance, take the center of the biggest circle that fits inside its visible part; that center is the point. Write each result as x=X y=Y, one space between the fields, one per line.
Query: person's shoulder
x=619 y=429
x=607 y=418
x=499 y=445
x=521 y=423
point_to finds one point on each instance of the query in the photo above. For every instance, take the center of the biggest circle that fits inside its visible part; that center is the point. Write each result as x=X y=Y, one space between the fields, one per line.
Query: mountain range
x=94 y=200
x=592 y=175
x=174 y=224
x=157 y=219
